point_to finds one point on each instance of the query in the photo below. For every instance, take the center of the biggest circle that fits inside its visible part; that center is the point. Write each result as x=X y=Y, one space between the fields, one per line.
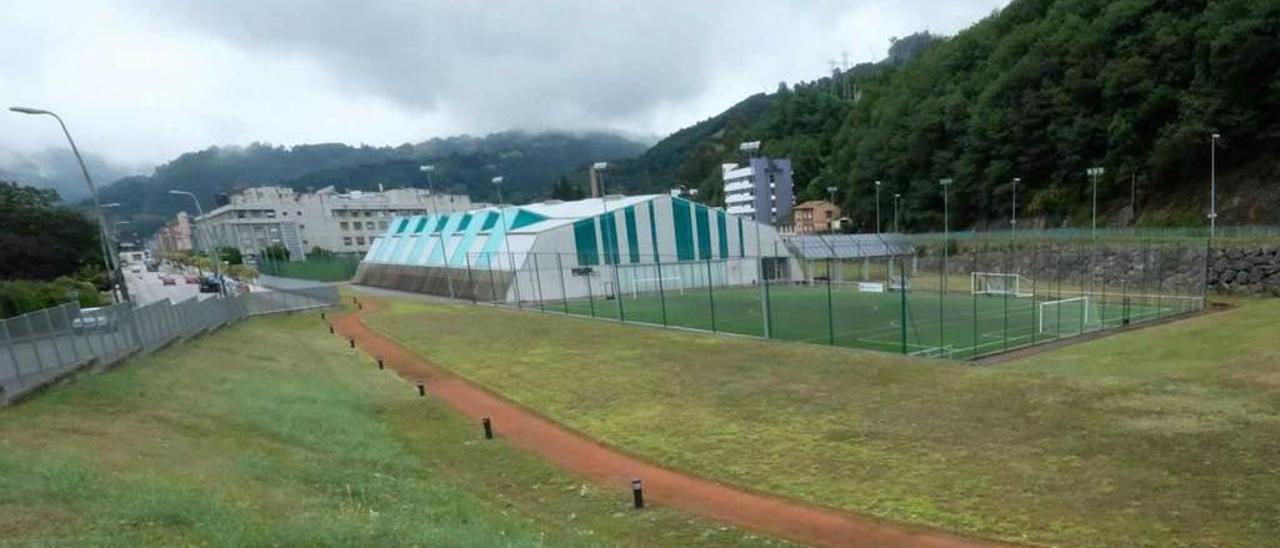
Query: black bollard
x=637 y=493
x=322 y=315
x=488 y=428
x=360 y=306
x=422 y=388
x=380 y=366
x=331 y=330
x=353 y=342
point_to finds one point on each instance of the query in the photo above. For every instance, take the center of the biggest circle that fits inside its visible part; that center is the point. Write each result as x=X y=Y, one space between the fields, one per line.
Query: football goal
x=1000 y=283
x=652 y=285
x=1069 y=316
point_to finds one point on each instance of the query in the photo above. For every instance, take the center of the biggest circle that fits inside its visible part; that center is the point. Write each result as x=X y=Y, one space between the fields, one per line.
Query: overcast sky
x=141 y=81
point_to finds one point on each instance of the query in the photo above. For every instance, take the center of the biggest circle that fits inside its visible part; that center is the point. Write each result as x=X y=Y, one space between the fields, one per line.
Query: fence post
x=53 y=337
x=662 y=294
x=71 y=338
x=537 y=279
x=564 y=292
x=493 y=284
x=902 y=298
x=13 y=356
x=35 y=345
x=470 y=280
x=831 y=321
x=515 y=279
x=711 y=296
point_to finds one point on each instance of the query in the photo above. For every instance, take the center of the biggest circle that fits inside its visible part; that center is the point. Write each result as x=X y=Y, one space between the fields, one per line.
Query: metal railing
x=39 y=347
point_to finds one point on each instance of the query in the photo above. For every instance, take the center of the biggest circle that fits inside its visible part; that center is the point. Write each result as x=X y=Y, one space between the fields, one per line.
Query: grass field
x=955 y=324
x=271 y=432
x=1158 y=437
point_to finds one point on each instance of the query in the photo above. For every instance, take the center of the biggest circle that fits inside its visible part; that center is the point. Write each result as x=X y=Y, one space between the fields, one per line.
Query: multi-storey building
x=760 y=191
x=815 y=216
x=175 y=235
x=258 y=218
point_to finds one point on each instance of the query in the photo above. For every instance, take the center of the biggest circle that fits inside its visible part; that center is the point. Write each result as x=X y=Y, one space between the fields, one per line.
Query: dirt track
x=571 y=451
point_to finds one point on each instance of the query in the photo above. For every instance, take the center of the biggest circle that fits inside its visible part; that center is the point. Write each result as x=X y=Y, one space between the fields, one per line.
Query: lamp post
x=430 y=187
x=597 y=169
x=877 y=207
x=108 y=260
x=435 y=211
x=1213 y=185
x=208 y=239
x=831 y=197
x=896 y=196
x=946 y=242
x=1094 y=173
x=506 y=245
x=1013 y=211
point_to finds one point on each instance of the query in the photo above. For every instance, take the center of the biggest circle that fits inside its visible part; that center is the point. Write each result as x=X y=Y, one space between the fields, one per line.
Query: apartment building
x=760 y=191
x=343 y=222
x=815 y=216
x=175 y=235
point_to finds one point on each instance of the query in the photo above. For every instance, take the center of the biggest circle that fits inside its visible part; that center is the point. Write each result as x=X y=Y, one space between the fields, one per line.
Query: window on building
x=368 y=214
x=301 y=227
x=357 y=225
x=299 y=213
x=284 y=213
x=346 y=240
x=382 y=225
x=271 y=214
x=359 y=240
x=339 y=213
x=343 y=225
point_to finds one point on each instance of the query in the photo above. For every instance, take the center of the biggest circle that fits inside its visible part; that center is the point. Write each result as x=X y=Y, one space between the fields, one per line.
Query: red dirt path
x=576 y=453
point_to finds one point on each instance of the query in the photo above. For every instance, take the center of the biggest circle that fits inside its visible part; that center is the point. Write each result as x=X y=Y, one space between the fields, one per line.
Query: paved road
x=147 y=287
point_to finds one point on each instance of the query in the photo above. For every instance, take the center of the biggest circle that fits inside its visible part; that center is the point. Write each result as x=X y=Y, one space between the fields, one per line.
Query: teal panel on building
x=584 y=242
x=460 y=255
x=742 y=242
x=702 y=216
x=440 y=223
x=683 y=229
x=633 y=236
x=609 y=230
x=422 y=225
x=525 y=218
x=466 y=220
x=490 y=219
x=404 y=223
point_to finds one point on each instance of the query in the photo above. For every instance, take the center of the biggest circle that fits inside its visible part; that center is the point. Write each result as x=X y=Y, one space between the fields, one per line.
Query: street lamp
x=1013 y=210
x=1213 y=185
x=896 y=197
x=946 y=242
x=1094 y=173
x=877 y=207
x=430 y=187
x=208 y=239
x=107 y=259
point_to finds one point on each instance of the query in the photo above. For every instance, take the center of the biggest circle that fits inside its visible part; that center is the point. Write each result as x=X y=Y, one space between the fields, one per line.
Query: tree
x=276 y=252
x=42 y=240
x=230 y=255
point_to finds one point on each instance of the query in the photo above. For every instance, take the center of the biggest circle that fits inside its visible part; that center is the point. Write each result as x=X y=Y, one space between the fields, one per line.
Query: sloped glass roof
x=848 y=246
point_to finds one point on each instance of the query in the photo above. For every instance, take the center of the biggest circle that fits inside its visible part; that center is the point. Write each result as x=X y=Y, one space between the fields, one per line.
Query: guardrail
x=40 y=347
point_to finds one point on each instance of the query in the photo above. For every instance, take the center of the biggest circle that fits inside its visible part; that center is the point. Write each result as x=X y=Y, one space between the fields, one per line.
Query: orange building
x=815 y=216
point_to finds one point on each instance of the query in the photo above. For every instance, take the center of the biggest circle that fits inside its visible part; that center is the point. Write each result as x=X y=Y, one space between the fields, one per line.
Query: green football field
x=929 y=323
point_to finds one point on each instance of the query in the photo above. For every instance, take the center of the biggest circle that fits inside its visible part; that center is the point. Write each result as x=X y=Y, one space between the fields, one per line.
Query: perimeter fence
x=39 y=347
x=962 y=299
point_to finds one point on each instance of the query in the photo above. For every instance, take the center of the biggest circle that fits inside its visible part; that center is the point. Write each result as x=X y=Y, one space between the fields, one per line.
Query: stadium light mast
x=877 y=207
x=1013 y=210
x=1094 y=173
x=113 y=272
x=1213 y=185
x=431 y=187
x=502 y=211
x=211 y=249
x=597 y=176
x=896 y=197
x=946 y=242
x=435 y=210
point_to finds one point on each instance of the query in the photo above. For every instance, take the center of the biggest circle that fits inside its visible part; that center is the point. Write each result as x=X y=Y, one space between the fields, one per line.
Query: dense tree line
x=49 y=253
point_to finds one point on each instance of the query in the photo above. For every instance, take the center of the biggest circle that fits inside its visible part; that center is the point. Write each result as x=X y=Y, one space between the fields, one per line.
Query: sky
x=142 y=81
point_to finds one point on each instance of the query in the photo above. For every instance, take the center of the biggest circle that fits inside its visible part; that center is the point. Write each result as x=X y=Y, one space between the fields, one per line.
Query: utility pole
x=896 y=197
x=877 y=207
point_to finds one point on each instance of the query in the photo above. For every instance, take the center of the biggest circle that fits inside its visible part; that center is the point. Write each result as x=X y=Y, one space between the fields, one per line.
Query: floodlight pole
x=497 y=182
x=896 y=197
x=597 y=169
x=435 y=210
x=831 y=198
x=946 y=242
x=1094 y=173
x=1013 y=211
x=114 y=273
x=877 y=207
x=1213 y=186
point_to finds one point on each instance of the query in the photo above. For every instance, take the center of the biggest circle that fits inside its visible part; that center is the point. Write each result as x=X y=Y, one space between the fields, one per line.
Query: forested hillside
x=1040 y=91
x=529 y=162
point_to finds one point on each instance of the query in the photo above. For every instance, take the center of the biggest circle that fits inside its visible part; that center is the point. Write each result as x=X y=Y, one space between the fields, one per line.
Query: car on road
x=136 y=270
x=191 y=279
x=93 y=319
x=168 y=280
x=210 y=284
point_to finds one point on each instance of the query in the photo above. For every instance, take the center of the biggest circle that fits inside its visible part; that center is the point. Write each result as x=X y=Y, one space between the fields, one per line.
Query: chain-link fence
x=958 y=300
x=39 y=347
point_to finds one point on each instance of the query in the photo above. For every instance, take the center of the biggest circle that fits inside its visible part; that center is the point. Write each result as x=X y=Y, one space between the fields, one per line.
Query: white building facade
x=761 y=190
x=260 y=217
x=618 y=245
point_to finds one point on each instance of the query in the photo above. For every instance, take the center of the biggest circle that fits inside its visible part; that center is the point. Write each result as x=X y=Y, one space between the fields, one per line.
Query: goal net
x=1000 y=283
x=653 y=285
x=1069 y=316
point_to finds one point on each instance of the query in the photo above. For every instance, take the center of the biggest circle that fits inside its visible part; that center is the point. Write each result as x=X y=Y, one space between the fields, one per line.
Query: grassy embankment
x=1162 y=436
x=272 y=432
